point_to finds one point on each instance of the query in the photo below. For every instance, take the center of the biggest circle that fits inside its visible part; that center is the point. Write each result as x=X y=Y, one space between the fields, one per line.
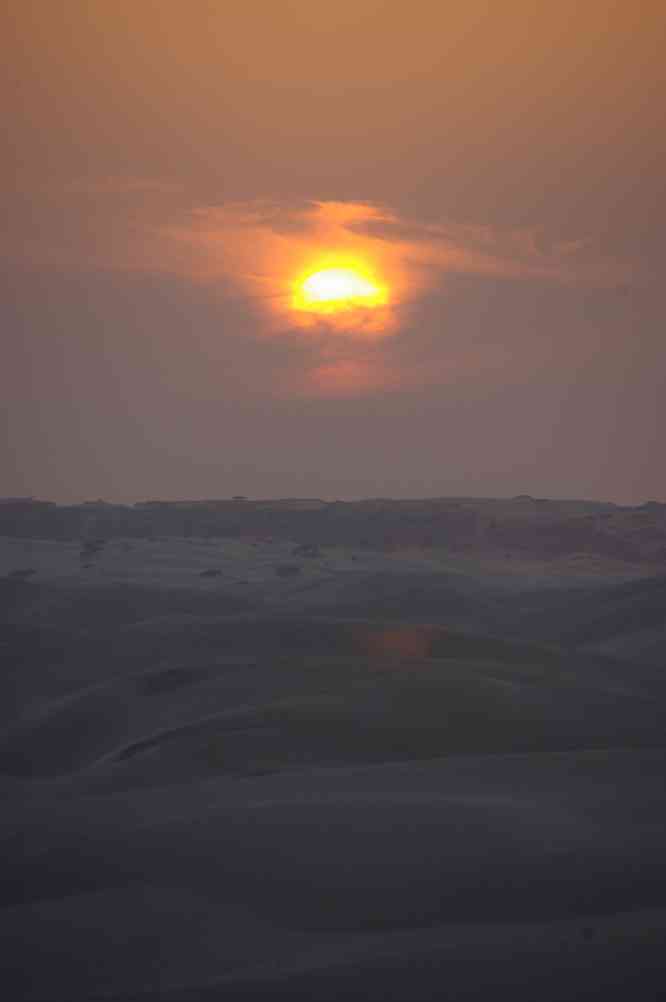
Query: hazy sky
x=176 y=166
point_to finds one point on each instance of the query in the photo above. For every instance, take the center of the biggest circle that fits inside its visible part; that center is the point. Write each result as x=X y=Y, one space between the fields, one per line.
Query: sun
x=338 y=289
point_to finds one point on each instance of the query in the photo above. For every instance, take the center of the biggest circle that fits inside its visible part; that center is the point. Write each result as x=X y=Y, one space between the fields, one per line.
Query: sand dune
x=208 y=798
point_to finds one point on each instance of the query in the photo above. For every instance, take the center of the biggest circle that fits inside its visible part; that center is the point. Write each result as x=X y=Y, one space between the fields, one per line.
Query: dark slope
x=627 y=618
x=275 y=883
x=210 y=802
x=178 y=694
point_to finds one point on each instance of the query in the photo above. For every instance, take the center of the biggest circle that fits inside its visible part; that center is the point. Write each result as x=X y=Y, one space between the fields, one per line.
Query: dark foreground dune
x=212 y=796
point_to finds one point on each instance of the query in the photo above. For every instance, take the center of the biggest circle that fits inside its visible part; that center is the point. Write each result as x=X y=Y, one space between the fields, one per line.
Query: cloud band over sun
x=347 y=281
x=308 y=268
x=263 y=249
x=267 y=253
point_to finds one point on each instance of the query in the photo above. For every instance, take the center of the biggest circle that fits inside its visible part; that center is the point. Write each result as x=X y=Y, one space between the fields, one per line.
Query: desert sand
x=395 y=773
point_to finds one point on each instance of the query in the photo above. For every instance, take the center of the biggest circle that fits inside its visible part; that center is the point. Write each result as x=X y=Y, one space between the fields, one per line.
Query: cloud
x=261 y=246
x=257 y=248
x=519 y=253
x=252 y=253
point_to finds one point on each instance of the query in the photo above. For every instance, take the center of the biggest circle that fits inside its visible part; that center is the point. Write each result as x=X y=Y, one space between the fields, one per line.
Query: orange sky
x=497 y=166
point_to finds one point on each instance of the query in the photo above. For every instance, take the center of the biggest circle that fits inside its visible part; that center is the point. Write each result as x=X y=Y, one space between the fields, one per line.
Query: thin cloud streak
x=243 y=239
x=253 y=243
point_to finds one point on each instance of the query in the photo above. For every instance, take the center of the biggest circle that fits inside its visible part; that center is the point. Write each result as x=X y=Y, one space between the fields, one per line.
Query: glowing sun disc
x=332 y=289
